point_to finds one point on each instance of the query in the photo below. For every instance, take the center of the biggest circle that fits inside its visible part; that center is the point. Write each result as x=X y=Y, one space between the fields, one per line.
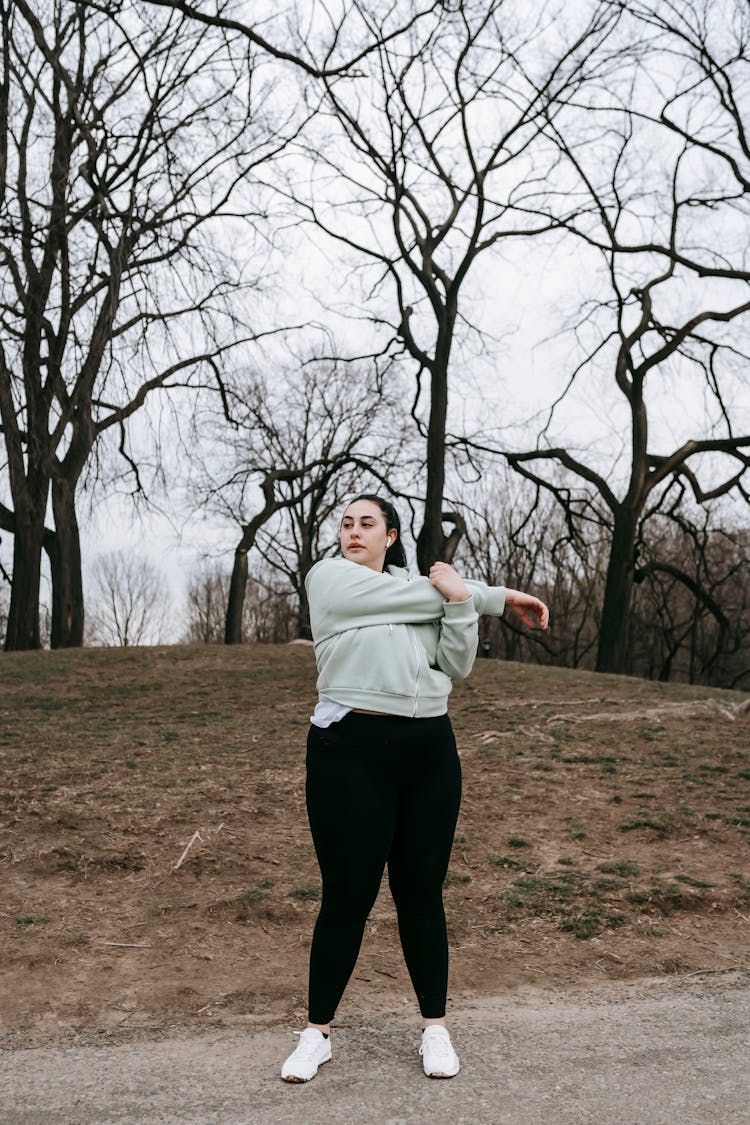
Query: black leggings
x=381 y=788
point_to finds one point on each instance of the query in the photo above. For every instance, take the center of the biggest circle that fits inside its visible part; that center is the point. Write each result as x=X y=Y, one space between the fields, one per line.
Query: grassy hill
x=605 y=832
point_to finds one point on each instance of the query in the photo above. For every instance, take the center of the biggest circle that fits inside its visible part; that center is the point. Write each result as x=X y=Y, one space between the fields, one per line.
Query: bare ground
x=604 y=836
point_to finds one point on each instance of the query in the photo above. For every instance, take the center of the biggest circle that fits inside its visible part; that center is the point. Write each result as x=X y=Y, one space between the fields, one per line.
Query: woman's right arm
x=346 y=595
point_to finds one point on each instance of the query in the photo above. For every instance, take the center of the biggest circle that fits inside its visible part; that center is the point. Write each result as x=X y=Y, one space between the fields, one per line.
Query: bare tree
x=315 y=55
x=658 y=190
x=206 y=606
x=441 y=125
x=691 y=614
x=516 y=535
x=4 y=600
x=268 y=613
x=131 y=602
x=313 y=435
x=126 y=136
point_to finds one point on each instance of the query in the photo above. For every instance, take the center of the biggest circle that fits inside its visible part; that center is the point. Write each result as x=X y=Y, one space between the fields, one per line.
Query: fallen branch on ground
x=731 y=711
x=196 y=836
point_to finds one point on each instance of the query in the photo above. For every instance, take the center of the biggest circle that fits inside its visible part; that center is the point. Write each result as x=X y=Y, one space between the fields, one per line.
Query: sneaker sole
x=294 y=1078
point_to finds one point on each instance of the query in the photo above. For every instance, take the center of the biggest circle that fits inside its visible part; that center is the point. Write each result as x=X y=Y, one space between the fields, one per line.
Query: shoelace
x=440 y=1044
x=307 y=1046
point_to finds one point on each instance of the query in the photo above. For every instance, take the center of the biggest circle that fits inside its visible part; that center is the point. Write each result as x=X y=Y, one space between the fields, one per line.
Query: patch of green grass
x=266 y=884
x=570 y=897
x=518 y=842
x=306 y=893
x=744 y=774
x=605 y=887
x=660 y=894
x=623 y=868
x=540 y=893
x=23 y=920
x=453 y=878
x=252 y=895
x=459 y=840
x=587 y=923
x=507 y=862
x=48 y=704
x=661 y=824
x=742 y=885
x=689 y=881
x=606 y=761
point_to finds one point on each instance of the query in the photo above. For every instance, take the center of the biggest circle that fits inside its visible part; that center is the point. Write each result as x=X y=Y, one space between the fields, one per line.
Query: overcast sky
x=524 y=296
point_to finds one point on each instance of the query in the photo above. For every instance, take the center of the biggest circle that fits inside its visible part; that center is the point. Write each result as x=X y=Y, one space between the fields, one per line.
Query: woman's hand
x=450 y=584
x=530 y=610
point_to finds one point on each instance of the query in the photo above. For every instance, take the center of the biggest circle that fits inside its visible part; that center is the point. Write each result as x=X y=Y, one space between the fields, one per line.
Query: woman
x=383 y=775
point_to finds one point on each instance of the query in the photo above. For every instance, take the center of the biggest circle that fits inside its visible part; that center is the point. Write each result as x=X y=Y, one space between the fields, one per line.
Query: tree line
x=153 y=157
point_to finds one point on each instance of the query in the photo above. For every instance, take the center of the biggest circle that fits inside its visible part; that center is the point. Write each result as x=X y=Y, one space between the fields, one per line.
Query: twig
x=127 y=944
x=706 y=972
x=196 y=836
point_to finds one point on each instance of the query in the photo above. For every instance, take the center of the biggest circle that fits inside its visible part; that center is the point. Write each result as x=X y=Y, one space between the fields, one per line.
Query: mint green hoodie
x=390 y=642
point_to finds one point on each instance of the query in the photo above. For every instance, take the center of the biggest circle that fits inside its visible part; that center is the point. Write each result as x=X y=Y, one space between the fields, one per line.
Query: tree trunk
x=431 y=540
x=613 y=632
x=65 y=563
x=22 y=631
x=304 y=632
x=236 y=599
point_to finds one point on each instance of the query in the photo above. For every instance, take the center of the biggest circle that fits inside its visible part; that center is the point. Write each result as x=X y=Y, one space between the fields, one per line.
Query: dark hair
x=395 y=555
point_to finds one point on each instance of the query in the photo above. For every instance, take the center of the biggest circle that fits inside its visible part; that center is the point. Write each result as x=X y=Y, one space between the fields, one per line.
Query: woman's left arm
x=531 y=611
x=489 y=599
x=458 y=640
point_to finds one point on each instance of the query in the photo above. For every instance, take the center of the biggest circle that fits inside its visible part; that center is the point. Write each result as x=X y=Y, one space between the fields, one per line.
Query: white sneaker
x=438 y=1057
x=312 y=1051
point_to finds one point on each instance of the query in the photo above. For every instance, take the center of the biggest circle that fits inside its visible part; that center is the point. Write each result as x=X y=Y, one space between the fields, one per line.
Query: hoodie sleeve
x=346 y=595
x=459 y=637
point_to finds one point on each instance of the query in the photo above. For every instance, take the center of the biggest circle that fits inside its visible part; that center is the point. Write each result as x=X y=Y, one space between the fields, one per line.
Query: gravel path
x=660 y=1051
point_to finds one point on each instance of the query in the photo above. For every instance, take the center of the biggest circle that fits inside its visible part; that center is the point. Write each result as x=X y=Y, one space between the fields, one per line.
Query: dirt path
x=650 y=1053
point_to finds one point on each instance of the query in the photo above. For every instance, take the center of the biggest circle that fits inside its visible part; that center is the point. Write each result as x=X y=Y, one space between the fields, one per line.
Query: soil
x=157 y=870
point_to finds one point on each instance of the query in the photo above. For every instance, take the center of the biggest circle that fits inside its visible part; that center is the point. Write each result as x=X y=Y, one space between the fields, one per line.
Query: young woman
x=383 y=775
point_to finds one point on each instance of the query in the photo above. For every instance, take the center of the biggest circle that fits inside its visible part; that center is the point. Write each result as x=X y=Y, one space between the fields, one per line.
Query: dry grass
x=604 y=832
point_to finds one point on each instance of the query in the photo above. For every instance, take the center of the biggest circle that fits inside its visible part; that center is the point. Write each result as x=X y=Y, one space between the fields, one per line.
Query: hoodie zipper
x=416 y=681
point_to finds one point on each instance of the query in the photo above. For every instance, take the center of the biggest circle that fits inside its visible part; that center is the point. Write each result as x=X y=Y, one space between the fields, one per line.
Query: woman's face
x=364 y=537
